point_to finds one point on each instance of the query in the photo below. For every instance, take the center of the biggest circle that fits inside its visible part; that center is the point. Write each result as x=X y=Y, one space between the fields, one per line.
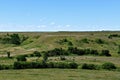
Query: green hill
x=42 y=41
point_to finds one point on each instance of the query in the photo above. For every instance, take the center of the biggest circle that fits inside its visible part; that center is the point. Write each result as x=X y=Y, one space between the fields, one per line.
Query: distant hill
x=42 y=41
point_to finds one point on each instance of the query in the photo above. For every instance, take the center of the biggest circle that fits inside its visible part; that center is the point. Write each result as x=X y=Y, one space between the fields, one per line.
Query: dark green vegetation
x=64 y=50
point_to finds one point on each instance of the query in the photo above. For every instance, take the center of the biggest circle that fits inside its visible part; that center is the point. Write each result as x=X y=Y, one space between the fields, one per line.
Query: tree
x=8 y=54
x=15 y=39
x=45 y=56
x=37 y=53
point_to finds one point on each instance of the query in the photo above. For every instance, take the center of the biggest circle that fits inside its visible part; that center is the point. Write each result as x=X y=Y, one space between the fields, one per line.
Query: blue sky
x=59 y=15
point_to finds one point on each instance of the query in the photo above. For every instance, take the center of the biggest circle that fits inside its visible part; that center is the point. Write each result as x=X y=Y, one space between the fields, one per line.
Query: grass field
x=42 y=41
x=58 y=74
x=47 y=40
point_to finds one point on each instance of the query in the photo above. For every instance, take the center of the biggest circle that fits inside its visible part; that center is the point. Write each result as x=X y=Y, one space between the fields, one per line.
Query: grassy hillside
x=46 y=41
x=41 y=41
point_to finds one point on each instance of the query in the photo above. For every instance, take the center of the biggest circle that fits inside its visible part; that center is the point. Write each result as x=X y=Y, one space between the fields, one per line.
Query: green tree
x=8 y=54
x=15 y=39
x=45 y=56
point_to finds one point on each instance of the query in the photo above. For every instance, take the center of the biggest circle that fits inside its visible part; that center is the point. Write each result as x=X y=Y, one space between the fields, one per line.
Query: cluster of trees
x=13 y=39
x=75 y=50
x=72 y=50
x=62 y=65
x=26 y=65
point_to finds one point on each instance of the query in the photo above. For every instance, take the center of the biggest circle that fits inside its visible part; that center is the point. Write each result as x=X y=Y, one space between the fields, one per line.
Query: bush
x=99 y=41
x=50 y=65
x=60 y=65
x=108 y=66
x=45 y=56
x=119 y=49
x=21 y=58
x=89 y=66
x=62 y=58
x=85 y=40
x=21 y=65
x=105 y=53
x=70 y=43
x=94 y=52
x=30 y=65
x=6 y=67
x=36 y=53
x=113 y=35
x=73 y=65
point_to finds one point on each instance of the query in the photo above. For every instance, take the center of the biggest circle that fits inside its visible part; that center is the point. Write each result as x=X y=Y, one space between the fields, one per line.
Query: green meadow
x=45 y=41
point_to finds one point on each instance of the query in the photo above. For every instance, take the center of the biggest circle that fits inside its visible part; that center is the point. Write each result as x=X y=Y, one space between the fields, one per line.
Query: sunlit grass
x=58 y=74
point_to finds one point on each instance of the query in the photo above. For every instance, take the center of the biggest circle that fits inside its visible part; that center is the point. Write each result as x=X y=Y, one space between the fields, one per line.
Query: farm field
x=58 y=74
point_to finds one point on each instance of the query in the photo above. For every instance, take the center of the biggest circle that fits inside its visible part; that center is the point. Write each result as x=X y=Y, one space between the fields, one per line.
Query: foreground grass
x=58 y=74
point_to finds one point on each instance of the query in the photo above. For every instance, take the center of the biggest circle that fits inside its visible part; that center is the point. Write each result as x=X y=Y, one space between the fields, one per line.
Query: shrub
x=105 y=53
x=31 y=55
x=28 y=65
x=99 y=41
x=6 y=67
x=94 y=52
x=21 y=58
x=119 y=52
x=119 y=49
x=113 y=35
x=108 y=66
x=85 y=40
x=45 y=56
x=50 y=65
x=60 y=65
x=73 y=65
x=70 y=43
x=62 y=58
x=75 y=50
x=36 y=53
x=21 y=65
x=89 y=66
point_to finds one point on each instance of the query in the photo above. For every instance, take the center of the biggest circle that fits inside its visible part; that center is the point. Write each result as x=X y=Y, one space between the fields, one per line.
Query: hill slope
x=42 y=41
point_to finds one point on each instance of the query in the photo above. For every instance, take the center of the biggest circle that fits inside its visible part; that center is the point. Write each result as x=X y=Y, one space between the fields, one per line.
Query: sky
x=59 y=15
